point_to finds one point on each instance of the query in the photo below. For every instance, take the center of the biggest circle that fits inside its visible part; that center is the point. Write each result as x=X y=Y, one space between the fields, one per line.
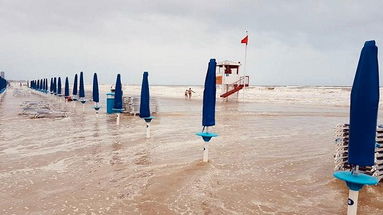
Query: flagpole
x=244 y=68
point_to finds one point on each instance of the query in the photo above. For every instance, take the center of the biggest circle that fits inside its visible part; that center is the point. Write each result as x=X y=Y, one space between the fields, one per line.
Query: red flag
x=245 y=40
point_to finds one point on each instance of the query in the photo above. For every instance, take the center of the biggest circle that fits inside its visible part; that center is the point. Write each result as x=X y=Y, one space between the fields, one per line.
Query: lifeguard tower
x=229 y=79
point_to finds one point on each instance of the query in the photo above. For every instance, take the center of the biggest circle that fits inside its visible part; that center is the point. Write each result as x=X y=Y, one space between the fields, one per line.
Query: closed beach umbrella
x=145 y=103
x=66 y=91
x=364 y=108
x=95 y=93
x=117 y=105
x=51 y=86
x=208 y=109
x=81 y=89
x=145 y=97
x=55 y=85
x=3 y=84
x=75 y=87
x=59 y=88
x=118 y=94
x=363 y=120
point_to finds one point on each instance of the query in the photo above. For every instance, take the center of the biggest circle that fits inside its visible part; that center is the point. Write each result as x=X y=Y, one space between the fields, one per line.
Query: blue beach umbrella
x=66 y=89
x=145 y=103
x=145 y=97
x=3 y=85
x=209 y=93
x=46 y=85
x=117 y=105
x=208 y=109
x=95 y=93
x=59 y=87
x=38 y=84
x=74 y=92
x=363 y=120
x=82 y=89
x=55 y=85
x=51 y=86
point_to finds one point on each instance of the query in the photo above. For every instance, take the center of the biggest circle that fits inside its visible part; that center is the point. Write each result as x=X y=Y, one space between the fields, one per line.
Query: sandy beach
x=274 y=155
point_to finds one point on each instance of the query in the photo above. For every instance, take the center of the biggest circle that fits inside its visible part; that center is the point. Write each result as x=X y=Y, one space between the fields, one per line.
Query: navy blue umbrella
x=66 y=90
x=363 y=120
x=3 y=85
x=145 y=103
x=75 y=87
x=96 y=96
x=95 y=93
x=59 y=88
x=364 y=108
x=51 y=86
x=118 y=95
x=82 y=88
x=55 y=85
x=145 y=97
x=38 y=84
x=208 y=109
x=46 y=85
x=117 y=105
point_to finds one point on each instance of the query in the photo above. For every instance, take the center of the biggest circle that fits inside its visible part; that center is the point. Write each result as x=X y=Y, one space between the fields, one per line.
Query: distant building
x=2 y=74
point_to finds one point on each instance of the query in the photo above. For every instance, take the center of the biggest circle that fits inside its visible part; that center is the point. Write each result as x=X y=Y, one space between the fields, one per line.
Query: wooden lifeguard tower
x=229 y=79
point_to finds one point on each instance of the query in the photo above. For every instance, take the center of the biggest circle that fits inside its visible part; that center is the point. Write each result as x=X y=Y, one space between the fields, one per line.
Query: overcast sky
x=290 y=42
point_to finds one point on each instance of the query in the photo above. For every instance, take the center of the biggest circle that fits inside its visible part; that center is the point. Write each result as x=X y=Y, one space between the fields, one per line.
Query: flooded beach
x=273 y=155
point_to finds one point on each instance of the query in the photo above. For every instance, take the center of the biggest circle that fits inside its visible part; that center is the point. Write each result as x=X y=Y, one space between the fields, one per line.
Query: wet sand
x=270 y=158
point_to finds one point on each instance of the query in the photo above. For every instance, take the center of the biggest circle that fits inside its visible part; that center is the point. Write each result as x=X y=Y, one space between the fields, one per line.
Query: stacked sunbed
x=341 y=152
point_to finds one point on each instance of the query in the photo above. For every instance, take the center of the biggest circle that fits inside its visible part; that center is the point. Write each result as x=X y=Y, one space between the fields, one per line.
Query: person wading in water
x=190 y=91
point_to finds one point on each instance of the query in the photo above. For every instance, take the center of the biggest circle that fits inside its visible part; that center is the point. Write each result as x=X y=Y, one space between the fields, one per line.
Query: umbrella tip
x=370 y=43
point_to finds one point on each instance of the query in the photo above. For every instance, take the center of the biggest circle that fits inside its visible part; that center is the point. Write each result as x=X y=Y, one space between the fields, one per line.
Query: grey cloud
x=291 y=42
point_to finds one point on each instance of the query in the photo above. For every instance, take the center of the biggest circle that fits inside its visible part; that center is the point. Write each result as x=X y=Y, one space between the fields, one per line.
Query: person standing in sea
x=190 y=91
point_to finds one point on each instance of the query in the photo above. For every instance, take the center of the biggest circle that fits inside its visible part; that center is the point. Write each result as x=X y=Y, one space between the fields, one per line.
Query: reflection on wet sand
x=269 y=159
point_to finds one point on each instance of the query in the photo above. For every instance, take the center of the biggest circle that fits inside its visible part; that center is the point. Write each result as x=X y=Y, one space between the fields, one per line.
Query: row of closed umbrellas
x=363 y=115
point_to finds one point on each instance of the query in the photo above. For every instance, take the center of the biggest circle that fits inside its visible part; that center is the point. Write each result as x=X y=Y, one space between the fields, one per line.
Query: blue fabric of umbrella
x=364 y=107
x=209 y=95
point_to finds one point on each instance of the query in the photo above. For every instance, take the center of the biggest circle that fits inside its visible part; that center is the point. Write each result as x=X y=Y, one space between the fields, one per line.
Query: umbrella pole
x=205 y=157
x=352 y=202
x=147 y=129
x=118 y=119
x=83 y=108
x=353 y=195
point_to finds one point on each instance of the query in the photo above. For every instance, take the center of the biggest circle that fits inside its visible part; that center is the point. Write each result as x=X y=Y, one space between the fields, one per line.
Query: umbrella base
x=148 y=119
x=206 y=136
x=355 y=182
